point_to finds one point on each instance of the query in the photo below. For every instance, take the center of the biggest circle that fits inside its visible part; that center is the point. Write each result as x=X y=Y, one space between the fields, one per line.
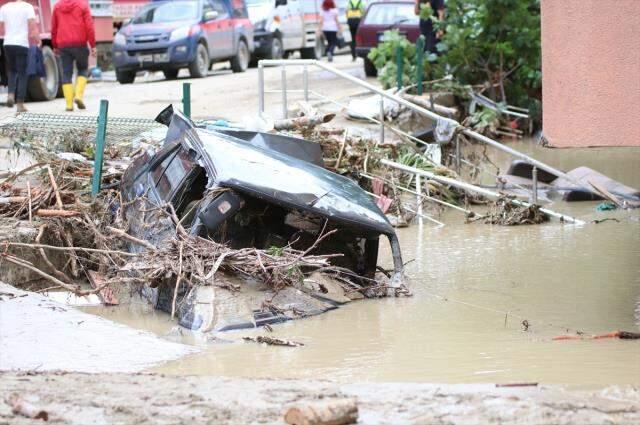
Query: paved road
x=222 y=94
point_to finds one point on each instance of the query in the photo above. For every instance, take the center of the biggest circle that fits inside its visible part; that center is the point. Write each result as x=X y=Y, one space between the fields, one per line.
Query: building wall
x=591 y=72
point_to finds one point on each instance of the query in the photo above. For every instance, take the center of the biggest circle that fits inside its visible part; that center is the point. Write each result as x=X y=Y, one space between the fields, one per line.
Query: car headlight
x=120 y=39
x=260 y=25
x=180 y=33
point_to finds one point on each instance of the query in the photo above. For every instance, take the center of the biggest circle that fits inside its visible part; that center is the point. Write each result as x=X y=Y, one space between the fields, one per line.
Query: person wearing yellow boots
x=72 y=33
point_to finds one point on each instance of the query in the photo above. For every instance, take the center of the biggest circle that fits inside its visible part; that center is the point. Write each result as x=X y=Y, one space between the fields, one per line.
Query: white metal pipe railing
x=425 y=112
x=475 y=189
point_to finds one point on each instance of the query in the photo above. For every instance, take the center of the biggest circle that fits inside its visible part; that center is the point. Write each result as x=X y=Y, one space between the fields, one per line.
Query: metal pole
x=419 y=197
x=399 y=65
x=419 y=64
x=458 y=163
x=101 y=136
x=381 y=119
x=285 y=107
x=305 y=82
x=472 y=188
x=534 y=176
x=260 y=88
x=186 y=99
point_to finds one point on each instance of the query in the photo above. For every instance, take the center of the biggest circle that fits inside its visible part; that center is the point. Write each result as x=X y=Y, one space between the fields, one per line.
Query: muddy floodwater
x=474 y=285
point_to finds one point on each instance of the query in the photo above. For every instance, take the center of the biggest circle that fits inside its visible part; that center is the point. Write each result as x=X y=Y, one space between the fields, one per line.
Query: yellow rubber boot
x=67 y=91
x=81 y=83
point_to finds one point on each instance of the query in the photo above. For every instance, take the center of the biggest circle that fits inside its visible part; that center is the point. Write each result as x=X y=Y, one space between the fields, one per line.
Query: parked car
x=170 y=35
x=379 y=18
x=282 y=27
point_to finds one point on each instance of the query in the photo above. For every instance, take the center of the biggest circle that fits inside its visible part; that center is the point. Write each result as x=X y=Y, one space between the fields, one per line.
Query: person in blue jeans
x=18 y=21
x=329 y=26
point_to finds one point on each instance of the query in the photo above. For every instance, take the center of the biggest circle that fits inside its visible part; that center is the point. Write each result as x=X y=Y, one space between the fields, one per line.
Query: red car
x=382 y=16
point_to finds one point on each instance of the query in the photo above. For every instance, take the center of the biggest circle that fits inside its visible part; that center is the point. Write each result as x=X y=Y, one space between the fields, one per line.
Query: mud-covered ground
x=76 y=398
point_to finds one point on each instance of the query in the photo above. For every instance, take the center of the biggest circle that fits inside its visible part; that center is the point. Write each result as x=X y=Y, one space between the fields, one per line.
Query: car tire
x=125 y=77
x=240 y=62
x=369 y=68
x=171 y=74
x=46 y=88
x=277 y=48
x=198 y=68
x=315 y=52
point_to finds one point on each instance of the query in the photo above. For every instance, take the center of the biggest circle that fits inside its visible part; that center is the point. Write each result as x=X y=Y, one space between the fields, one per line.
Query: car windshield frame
x=170 y=13
x=379 y=14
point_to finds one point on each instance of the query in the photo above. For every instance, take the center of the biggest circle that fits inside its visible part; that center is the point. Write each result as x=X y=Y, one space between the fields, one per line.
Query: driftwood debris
x=273 y=341
x=302 y=122
x=426 y=104
x=330 y=412
x=20 y=406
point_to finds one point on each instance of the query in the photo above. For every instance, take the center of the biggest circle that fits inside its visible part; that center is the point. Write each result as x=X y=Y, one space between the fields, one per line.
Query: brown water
x=473 y=286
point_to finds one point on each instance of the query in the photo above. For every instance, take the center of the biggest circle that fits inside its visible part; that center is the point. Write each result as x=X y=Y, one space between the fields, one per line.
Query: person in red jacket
x=71 y=32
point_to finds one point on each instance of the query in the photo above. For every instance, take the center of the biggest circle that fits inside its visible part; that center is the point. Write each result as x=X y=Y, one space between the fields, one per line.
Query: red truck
x=48 y=88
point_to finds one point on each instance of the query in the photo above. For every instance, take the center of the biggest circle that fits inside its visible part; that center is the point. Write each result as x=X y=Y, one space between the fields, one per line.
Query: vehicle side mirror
x=210 y=15
x=281 y=3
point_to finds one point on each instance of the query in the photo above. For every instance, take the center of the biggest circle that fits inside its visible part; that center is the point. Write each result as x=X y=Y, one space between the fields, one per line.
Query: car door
x=218 y=29
x=296 y=25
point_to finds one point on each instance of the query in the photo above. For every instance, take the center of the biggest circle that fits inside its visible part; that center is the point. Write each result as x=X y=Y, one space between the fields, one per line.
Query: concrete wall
x=591 y=72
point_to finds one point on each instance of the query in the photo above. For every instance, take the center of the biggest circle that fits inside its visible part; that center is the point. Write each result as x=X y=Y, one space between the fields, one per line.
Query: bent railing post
x=101 y=136
x=468 y=187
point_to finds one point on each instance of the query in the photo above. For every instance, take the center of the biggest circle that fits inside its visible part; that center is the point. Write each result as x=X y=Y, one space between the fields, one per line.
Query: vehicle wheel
x=171 y=74
x=199 y=66
x=369 y=68
x=46 y=88
x=240 y=62
x=315 y=52
x=277 y=49
x=125 y=77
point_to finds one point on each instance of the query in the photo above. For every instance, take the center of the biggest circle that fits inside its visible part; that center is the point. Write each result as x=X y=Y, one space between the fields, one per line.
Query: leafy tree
x=496 y=43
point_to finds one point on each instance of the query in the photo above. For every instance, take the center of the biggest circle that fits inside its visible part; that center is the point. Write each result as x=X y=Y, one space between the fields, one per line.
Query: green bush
x=497 y=43
x=384 y=58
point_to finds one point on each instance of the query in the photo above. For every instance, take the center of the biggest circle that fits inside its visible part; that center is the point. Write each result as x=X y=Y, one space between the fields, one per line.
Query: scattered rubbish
x=611 y=335
x=273 y=341
x=19 y=406
x=326 y=412
x=505 y=213
x=606 y=206
x=525 y=325
x=605 y=219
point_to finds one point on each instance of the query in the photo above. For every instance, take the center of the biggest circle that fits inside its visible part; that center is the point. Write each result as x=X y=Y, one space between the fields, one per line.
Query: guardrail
x=306 y=63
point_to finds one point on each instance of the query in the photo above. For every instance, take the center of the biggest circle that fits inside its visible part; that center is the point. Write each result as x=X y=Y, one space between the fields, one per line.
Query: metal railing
x=306 y=63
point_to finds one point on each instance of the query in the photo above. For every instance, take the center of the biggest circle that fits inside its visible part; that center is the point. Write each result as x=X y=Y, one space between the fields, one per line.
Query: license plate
x=161 y=57
x=145 y=58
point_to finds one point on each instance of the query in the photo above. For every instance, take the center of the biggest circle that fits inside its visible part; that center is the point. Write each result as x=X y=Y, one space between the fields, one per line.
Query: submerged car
x=260 y=190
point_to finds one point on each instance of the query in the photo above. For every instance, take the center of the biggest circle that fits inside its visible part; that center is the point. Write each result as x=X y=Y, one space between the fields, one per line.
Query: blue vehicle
x=170 y=35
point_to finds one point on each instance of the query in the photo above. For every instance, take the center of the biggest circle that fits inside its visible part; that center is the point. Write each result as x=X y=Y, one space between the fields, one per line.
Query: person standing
x=426 y=25
x=18 y=20
x=329 y=26
x=71 y=32
x=355 y=10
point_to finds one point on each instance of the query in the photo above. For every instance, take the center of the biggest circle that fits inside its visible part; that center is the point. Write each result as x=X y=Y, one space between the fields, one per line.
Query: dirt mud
x=73 y=398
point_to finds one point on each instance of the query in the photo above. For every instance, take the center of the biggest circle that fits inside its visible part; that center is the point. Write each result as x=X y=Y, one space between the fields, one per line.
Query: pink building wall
x=591 y=72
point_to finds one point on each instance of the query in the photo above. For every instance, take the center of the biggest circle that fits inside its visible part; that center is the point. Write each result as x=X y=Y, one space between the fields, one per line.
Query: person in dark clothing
x=426 y=25
x=355 y=10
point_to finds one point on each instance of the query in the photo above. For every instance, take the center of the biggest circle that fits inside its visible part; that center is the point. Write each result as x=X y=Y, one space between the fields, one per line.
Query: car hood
x=281 y=179
x=155 y=28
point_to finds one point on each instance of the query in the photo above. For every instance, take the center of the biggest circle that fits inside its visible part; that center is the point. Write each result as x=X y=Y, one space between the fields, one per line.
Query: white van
x=283 y=26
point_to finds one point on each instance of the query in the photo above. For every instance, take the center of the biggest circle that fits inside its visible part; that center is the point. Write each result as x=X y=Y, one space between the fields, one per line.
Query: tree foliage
x=494 y=42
